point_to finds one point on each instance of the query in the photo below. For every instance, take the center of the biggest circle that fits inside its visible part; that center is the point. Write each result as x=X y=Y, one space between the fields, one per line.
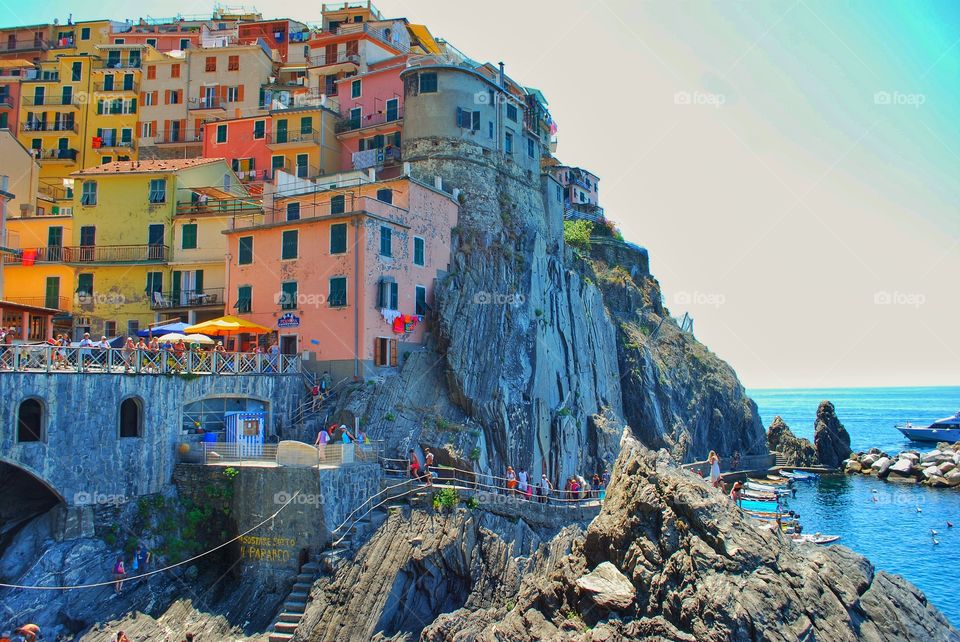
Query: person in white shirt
x=86 y=353
x=522 y=481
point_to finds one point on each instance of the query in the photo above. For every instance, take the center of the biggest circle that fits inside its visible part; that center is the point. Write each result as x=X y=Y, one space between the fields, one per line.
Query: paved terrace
x=49 y=359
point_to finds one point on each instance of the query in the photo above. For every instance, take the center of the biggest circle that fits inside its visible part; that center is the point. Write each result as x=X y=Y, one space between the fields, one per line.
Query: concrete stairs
x=291 y=613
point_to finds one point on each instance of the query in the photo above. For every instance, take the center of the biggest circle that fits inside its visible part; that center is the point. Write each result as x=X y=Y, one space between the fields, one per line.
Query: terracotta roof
x=146 y=166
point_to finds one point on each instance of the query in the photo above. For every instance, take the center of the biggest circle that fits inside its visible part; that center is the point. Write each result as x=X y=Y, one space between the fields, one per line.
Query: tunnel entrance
x=24 y=498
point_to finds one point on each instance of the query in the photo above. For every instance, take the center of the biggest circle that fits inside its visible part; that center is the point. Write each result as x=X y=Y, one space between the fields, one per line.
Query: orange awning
x=226 y=326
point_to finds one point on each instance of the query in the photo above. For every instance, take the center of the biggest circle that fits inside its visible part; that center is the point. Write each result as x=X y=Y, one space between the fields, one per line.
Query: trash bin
x=210 y=436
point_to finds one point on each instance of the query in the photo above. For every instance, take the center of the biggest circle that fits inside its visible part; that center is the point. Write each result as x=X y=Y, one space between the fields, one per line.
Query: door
x=88 y=242
x=54 y=243
x=209 y=97
x=176 y=291
x=393 y=109
x=52 y=293
x=330 y=54
x=155 y=241
x=281 y=131
x=66 y=95
x=38 y=95
x=128 y=82
x=302 y=166
x=288 y=344
x=108 y=82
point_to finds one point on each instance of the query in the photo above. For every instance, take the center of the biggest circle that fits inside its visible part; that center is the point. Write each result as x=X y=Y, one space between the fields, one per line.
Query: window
x=467 y=119
x=508 y=143
x=89 y=194
x=152 y=42
x=244 y=297
x=133 y=326
x=76 y=71
x=338 y=238
x=288 y=244
x=110 y=328
x=306 y=125
x=151 y=72
x=388 y=296
x=385 y=352
x=233 y=94
x=175 y=71
x=337 y=204
x=428 y=83
x=288 y=295
x=131 y=417
x=386 y=241
x=30 y=421
x=211 y=63
x=385 y=195
x=530 y=148
x=85 y=33
x=421 y=301
x=356 y=88
x=559 y=193
x=355 y=116
x=158 y=190
x=188 y=237
x=338 y=292
x=393 y=109
x=221 y=133
x=245 y=250
x=184 y=44
x=418 y=251
x=293 y=211
x=512 y=112
x=259 y=129
x=233 y=63
x=148 y=99
x=154 y=283
x=490 y=128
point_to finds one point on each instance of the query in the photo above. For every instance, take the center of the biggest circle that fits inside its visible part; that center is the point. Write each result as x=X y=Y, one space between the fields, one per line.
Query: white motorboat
x=946 y=429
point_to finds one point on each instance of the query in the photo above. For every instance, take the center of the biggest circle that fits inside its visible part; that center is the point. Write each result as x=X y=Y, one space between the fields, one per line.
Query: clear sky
x=792 y=166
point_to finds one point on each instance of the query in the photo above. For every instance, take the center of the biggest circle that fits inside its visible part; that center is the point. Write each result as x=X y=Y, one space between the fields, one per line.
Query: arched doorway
x=26 y=497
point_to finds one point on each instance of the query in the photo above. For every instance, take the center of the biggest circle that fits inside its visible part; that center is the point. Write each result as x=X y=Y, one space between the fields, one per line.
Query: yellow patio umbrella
x=226 y=326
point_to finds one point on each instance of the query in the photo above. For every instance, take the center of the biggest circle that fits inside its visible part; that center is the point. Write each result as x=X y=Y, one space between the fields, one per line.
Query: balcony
x=129 y=63
x=187 y=299
x=178 y=137
x=322 y=60
x=6 y=102
x=219 y=207
x=55 y=155
x=376 y=157
x=86 y=254
x=102 y=88
x=47 y=101
x=54 y=192
x=275 y=139
x=207 y=103
x=319 y=210
x=53 y=302
x=41 y=127
x=24 y=44
x=370 y=120
x=113 y=145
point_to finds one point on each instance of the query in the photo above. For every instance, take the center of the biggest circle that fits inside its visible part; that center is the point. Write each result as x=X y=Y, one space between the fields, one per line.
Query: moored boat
x=815 y=538
x=946 y=429
x=799 y=475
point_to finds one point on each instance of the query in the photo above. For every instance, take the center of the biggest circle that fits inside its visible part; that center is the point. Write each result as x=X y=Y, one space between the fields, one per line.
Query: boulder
x=914 y=457
x=608 y=587
x=881 y=466
x=831 y=439
x=795 y=450
x=946 y=467
x=933 y=455
x=902 y=467
x=930 y=472
x=953 y=478
x=853 y=466
x=867 y=460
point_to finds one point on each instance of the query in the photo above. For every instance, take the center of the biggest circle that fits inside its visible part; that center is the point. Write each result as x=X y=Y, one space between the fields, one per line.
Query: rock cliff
x=795 y=450
x=830 y=438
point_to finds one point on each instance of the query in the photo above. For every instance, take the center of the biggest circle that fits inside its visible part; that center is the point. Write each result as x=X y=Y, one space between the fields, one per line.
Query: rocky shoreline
x=939 y=468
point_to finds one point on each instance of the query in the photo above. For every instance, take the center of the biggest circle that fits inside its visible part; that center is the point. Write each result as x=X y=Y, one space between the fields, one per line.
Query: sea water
x=889 y=523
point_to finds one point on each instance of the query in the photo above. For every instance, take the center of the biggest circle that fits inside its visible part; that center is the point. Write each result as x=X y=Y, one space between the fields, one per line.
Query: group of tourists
x=518 y=483
x=414 y=470
x=138 y=564
x=319 y=391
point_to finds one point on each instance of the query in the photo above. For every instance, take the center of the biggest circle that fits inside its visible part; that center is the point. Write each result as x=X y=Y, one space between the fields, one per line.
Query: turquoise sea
x=890 y=531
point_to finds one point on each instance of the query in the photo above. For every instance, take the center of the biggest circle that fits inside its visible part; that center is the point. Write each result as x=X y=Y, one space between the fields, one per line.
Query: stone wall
x=84 y=460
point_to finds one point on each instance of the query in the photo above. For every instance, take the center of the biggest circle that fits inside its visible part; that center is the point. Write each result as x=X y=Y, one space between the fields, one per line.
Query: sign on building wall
x=288 y=320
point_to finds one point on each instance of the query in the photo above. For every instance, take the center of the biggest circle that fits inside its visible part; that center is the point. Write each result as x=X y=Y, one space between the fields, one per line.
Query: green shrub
x=389 y=416
x=475 y=454
x=577 y=233
x=447 y=498
x=473 y=503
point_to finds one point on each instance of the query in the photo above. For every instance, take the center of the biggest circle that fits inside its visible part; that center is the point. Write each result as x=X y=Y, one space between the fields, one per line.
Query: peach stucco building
x=331 y=270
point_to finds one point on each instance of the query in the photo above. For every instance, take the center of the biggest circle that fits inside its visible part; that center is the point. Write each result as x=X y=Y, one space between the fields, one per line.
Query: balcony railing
x=31 y=126
x=219 y=207
x=187 y=299
x=6 y=102
x=326 y=208
x=112 y=144
x=206 y=103
x=54 y=303
x=122 y=64
x=370 y=120
x=91 y=254
x=278 y=138
x=363 y=27
x=101 y=87
x=171 y=137
x=48 y=101
x=376 y=157
x=24 y=44
x=55 y=155
x=54 y=192
x=322 y=60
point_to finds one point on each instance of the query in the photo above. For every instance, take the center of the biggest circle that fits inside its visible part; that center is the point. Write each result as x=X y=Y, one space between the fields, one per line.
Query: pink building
x=371 y=105
x=243 y=143
x=581 y=192
x=11 y=71
x=165 y=37
x=347 y=274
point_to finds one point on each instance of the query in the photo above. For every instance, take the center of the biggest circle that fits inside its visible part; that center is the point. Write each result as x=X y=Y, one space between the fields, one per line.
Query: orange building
x=346 y=273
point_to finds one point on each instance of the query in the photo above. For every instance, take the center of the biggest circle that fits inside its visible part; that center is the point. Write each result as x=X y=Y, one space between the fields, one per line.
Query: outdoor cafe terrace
x=45 y=358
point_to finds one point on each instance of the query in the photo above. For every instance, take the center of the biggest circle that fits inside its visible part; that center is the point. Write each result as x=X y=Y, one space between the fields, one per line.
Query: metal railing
x=321 y=59
x=370 y=120
x=187 y=136
x=24 y=44
x=93 y=360
x=94 y=254
x=48 y=101
x=55 y=192
x=54 y=303
x=224 y=207
x=206 y=103
x=117 y=144
x=281 y=138
x=121 y=64
x=6 y=101
x=101 y=87
x=376 y=157
x=322 y=209
x=187 y=298
x=55 y=154
x=35 y=126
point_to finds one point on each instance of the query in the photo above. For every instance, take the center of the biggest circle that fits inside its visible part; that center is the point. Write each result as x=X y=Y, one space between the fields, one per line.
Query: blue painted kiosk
x=245 y=429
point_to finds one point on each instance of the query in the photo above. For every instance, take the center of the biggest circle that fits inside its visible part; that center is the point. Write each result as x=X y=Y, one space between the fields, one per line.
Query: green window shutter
x=175 y=286
x=198 y=279
x=418 y=251
x=337 y=204
x=338 y=291
x=244 y=298
x=338 y=238
x=289 y=244
x=288 y=300
x=189 y=237
x=245 y=250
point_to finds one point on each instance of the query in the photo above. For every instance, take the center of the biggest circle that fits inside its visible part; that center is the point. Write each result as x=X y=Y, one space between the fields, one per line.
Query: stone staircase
x=780 y=460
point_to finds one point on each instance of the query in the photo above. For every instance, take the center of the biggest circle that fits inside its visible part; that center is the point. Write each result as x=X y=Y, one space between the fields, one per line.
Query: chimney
x=438 y=182
x=501 y=75
x=406 y=168
x=372 y=172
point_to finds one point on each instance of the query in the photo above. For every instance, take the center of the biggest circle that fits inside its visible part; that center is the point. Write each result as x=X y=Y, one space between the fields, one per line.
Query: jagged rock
x=946 y=467
x=608 y=587
x=853 y=467
x=912 y=456
x=882 y=466
x=867 y=460
x=953 y=478
x=902 y=466
x=830 y=439
x=931 y=471
x=796 y=451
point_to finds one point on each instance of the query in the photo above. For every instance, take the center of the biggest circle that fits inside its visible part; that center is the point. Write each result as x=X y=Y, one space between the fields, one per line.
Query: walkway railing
x=333 y=454
x=47 y=358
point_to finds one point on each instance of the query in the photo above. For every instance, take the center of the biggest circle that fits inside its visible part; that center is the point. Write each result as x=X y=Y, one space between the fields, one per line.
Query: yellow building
x=303 y=141
x=124 y=219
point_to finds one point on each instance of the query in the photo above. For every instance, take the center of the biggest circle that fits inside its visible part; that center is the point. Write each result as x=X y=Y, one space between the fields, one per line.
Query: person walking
x=323 y=437
x=511 y=481
x=714 y=462
x=522 y=482
x=545 y=488
x=119 y=572
x=427 y=464
x=413 y=465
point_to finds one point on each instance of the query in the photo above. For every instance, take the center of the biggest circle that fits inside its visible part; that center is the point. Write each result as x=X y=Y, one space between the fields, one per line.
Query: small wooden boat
x=799 y=475
x=766 y=488
x=815 y=538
